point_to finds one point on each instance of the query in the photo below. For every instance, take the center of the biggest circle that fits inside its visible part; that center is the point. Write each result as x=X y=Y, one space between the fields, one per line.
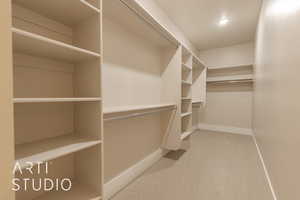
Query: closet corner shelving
x=57 y=49
x=242 y=73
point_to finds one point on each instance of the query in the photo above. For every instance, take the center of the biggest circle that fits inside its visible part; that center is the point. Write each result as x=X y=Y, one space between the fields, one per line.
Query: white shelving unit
x=186 y=90
x=57 y=48
x=34 y=44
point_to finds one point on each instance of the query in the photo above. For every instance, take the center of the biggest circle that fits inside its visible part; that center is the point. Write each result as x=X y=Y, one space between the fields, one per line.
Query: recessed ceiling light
x=280 y=7
x=223 y=21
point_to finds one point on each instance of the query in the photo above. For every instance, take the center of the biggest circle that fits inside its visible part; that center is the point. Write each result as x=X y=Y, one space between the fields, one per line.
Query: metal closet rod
x=138 y=114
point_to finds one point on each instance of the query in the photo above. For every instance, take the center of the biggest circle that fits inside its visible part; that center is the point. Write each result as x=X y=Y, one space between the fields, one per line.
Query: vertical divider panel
x=171 y=92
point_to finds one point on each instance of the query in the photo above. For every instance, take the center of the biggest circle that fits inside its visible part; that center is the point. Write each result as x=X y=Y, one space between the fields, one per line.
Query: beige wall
x=276 y=96
x=6 y=116
x=231 y=55
x=229 y=105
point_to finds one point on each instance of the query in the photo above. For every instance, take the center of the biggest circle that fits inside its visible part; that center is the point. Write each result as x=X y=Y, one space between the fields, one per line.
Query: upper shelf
x=229 y=78
x=68 y=12
x=48 y=100
x=34 y=44
x=50 y=149
x=120 y=109
x=211 y=68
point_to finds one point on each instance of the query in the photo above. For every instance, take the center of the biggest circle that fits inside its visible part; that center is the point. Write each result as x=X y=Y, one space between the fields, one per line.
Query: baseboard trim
x=265 y=168
x=225 y=129
x=126 y=177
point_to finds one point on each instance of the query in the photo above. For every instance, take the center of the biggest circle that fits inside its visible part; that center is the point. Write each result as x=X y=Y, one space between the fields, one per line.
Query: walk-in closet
x=149 y=99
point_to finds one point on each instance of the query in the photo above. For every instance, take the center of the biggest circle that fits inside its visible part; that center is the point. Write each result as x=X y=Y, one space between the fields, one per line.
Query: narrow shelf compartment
x=123 y=109
x=68 y=12
x=185 y=134
x=197 y=63
x=49 y=100
x=34 y=44
x=78 y=192
x=186 y=67
x=186 y=114
x=186 y=83
x=229 y=78
x=52 y=148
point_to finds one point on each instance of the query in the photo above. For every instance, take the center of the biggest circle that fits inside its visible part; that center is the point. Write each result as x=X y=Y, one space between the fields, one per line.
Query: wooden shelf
x=186 y=114
x=186 y=99
x=78 y=192
x=34 y=44
x=52 y=148
x=229 y=78
x=68 y=12
x=121 y=109
x=186 y=83
x=49 y=100
x=211 y=68
x=186 y=67
x=197 y=102
x=185 y=134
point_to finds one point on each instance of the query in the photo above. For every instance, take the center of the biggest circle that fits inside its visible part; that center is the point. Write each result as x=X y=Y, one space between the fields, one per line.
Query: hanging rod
x=138 y=114
x=231 y=81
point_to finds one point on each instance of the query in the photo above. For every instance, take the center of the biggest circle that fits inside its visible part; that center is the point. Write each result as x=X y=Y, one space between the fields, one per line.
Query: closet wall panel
x=228 y=105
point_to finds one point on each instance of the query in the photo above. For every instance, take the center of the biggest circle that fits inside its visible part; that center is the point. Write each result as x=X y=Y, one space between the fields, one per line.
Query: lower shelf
x=78 y=192
x=186 y=114
x=185 y=134
x=50 y=149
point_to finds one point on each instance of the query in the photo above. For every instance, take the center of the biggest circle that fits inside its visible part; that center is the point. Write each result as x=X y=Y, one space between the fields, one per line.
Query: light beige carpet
x=217 y=166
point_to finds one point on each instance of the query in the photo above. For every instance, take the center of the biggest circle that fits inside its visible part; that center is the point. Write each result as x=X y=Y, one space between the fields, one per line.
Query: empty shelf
x=34 y=44
x=186 y=67
x=197 y=102
x=211 y=68
x=78 y=192
x=68 y=12
x=186 y=98
x=121 y=109
x=186 y=83
x=185 y=134
x=49 y=100
x=186 y=114
x=229 y=78
x=52 y=148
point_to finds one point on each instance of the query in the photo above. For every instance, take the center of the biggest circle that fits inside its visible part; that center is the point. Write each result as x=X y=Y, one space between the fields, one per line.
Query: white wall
x=229 y=105
x=276 y=96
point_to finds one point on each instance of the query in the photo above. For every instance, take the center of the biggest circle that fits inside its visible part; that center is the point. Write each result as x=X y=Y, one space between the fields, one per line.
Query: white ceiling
x=199 y=20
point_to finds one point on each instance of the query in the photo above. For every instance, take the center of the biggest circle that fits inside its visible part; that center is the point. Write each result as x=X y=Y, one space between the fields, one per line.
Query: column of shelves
x=57 y=95
x=186 y=91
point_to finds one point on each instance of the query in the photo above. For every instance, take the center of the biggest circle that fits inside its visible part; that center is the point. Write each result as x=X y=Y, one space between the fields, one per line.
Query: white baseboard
x=226 y=129
x=127 y=176
x=265 y=168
